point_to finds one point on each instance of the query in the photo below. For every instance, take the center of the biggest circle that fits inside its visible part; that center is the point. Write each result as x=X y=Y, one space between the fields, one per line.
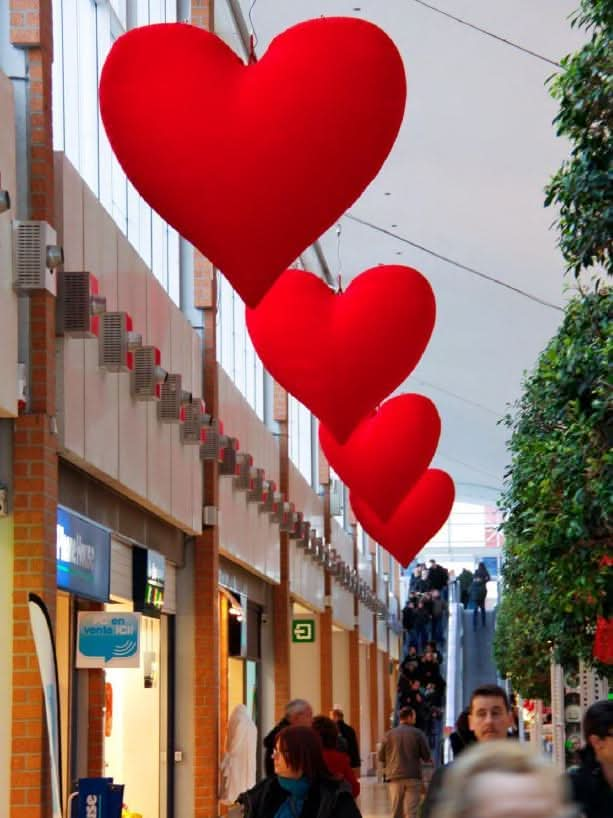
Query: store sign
x=303 y=630
x=107 y=639
x=83 y=556
x=148 y=580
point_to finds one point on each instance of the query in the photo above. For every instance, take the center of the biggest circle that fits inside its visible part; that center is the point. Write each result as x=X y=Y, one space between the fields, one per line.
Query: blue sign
x=106 y=639
x=83 y=556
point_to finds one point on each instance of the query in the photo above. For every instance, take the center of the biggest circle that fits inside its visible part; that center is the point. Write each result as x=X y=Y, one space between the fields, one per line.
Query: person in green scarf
x=302 y=786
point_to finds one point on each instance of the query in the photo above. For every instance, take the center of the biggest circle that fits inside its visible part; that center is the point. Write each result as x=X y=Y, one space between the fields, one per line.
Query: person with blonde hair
x=503 y=779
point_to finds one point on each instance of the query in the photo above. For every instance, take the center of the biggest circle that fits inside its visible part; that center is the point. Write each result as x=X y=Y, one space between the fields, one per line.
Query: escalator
x=478 y=667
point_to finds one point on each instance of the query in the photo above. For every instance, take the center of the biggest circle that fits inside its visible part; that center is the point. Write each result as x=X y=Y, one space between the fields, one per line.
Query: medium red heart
x=386 y=454
x=416 y=520
x=342 y=354
x=252 y=163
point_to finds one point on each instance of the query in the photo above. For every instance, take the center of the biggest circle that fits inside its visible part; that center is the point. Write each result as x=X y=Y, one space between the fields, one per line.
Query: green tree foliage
x=558 y=498
x=583 y=186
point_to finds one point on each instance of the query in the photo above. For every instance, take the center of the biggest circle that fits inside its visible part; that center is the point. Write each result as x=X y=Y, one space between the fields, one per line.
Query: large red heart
x=342 y=354
x=252 y=163
x=387 y=452
x=416 y=520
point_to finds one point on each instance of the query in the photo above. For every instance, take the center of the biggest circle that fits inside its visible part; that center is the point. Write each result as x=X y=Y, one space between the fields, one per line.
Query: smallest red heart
x=397 y=442
x=416 y=520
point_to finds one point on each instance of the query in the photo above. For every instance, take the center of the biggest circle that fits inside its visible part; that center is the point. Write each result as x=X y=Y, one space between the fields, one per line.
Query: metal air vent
x=255 y=492
x=192 y=422
x=78 y=305
x=36 y=255
x=148 y=376
x=288 y=518
x=244 y=469
x=296 y=531
x=212 y=429
x=116 y=342
x=272 y=499
x=227 y=455
x=172 y=398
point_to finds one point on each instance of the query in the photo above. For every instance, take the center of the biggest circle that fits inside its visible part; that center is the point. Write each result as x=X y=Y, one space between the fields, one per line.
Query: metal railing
x=453 y=700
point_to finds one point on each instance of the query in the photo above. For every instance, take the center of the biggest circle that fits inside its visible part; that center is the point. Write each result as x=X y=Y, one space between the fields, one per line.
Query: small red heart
x=416 y=520
x=387 y=453
x=252 y=163
x=342 y=354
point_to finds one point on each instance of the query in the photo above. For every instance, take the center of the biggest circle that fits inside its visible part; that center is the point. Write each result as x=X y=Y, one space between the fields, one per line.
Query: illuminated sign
x=148 y=575
x=83 y=556
x=303 y=630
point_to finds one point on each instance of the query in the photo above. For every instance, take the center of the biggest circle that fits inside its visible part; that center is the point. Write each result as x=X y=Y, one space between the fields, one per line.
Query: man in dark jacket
x=592 y=781
x=348 y=733
x=489 y=718
x=298 y=711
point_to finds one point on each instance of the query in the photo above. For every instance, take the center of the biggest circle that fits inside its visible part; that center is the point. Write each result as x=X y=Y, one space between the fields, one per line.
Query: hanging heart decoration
x=416 y=520
x=341 y=354
x=252 y=163
x=388 y=452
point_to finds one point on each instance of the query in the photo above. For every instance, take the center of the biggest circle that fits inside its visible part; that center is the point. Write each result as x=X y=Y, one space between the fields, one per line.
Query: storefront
x=115 y=643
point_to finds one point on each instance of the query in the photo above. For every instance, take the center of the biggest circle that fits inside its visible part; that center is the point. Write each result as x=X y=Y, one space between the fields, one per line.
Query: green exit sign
x=303 y=630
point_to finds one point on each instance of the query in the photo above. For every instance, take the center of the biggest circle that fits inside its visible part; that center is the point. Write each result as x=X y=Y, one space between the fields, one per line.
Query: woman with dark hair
x=463 y=736
x=592 y=781
x=301 y=786
x=336 y=761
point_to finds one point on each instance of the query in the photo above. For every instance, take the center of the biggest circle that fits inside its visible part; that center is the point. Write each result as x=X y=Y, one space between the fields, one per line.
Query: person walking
x=592 y=781
x=402 y=752
x=336 y=760
x=297 y=712
x=477 y=595
x=349 y=734
x=489 y=719
x=301 y=785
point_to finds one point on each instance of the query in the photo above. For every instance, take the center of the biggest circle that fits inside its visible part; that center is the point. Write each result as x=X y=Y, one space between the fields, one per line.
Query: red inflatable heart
x=416 y=520
x=252 y=163
x=387 y=452
x=342 y=354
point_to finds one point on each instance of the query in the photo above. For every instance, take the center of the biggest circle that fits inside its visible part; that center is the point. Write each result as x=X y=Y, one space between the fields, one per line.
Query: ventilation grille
x=30 y=249
x=209 y=447
x=169 y=406
x=227 y=464
x=191 y=417
x=74 y=316
x=113 y=346
x=145 y=384
x=255 y=492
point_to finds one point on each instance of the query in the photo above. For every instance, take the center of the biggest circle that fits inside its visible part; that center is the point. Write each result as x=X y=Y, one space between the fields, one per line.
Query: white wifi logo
x=126 y=648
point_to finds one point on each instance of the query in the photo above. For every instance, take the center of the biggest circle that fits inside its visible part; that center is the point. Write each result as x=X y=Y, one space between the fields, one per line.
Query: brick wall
x=35 y=501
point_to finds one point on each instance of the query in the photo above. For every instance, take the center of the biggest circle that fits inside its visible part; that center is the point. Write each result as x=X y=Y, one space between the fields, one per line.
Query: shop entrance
x=135 y=723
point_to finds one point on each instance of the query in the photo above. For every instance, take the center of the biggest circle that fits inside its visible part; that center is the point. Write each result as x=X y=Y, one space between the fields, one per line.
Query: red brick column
x=354 y=658
x=96 y=702
x=281 y=592
x=35 y=447
x=31 y=27
x=35 y=503
x=326 y=656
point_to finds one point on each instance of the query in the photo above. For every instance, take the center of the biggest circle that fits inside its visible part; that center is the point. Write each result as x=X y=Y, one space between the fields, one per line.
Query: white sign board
x=108 y=639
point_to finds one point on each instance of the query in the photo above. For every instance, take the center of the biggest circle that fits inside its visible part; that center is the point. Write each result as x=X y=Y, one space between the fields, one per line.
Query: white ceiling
x=464 y=181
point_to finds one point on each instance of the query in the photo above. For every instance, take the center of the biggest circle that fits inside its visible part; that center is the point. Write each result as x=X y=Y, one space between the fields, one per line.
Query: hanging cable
x=487 y=33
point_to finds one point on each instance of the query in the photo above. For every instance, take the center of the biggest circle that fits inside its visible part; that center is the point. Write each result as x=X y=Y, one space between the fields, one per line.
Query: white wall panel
x=247 y=534
x=342 y=542
x=132 y=298
x=170 y=588
x=342 y=606
x=305 y=660
x=366 y=623
x=241 y=421
x=158 y=434
x=121 y=570
x=306 y=577
x=305 y=499
x=104 y=427
x=8 y=300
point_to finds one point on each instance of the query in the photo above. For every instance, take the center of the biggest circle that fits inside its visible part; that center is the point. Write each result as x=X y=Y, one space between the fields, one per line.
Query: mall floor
x=374 y=800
